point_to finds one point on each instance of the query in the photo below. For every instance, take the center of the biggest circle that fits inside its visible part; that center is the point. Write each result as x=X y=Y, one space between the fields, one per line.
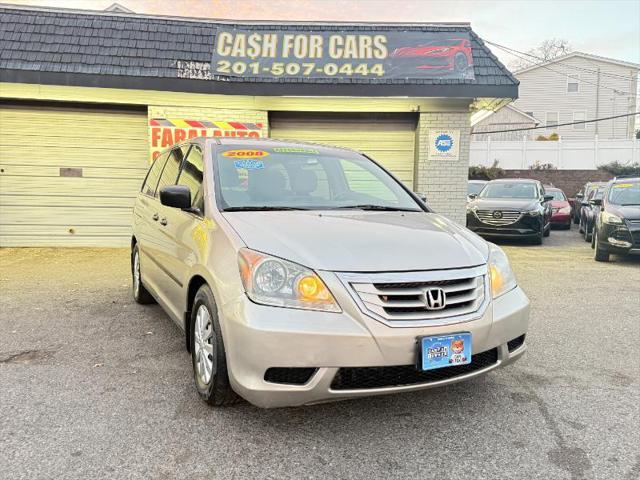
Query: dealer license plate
x=445 y=351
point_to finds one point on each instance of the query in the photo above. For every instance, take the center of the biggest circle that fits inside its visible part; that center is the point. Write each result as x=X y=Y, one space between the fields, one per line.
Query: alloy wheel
x=203 y=344
x=136 y=275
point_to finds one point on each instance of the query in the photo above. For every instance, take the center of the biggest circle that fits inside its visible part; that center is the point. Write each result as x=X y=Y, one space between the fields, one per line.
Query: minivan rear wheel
x=208 y=355
x=140 y=294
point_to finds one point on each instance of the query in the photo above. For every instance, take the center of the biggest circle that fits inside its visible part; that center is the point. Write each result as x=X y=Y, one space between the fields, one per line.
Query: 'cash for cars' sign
x=164 y=132
x=352 y=54
x=444 y=144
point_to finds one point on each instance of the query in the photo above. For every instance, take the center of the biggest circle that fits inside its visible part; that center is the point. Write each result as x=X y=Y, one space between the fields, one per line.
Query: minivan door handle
x=155 y=217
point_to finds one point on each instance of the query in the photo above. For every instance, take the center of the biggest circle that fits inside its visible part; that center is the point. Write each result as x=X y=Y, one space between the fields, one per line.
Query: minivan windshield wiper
x=383 y=208
x=260 y=208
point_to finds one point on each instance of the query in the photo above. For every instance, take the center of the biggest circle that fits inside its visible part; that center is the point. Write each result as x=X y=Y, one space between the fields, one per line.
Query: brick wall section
x=570 y=181
x=444 y=182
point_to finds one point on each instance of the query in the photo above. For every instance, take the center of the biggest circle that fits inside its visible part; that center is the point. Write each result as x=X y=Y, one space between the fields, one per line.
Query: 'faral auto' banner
x=166 y=132
x=342 y=55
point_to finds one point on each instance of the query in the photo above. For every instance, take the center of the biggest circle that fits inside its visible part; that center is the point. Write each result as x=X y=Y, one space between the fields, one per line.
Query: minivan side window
x=191 y=176
x=150 y=183
x=171 y=169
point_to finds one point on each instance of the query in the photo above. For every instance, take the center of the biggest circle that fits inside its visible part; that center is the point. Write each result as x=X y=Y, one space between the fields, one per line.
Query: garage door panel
x=389 y=141
x=121 y=158
x=87 y=215
x=66 y=240
x=137 y=174
x=91 y=187
x=64 y=201
x=40 y=207
x=63 y=230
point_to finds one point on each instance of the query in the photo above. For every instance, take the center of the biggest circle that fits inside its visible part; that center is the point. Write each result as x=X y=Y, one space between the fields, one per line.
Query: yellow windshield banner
x=245 y=153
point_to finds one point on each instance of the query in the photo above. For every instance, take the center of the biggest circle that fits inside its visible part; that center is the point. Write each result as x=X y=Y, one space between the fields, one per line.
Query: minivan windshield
x=625 y=193
x=257 y=177
x=509 y=190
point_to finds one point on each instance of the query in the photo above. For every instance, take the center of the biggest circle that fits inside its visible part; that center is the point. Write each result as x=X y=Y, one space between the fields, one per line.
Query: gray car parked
x=302 y=273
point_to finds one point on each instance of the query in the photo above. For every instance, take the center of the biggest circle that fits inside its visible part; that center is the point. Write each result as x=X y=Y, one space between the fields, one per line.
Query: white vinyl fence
x=563 y=154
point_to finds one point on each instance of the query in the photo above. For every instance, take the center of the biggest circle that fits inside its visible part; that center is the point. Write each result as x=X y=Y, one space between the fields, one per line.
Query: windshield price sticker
x=249 y=164
x=312 y=151
x=245 y=153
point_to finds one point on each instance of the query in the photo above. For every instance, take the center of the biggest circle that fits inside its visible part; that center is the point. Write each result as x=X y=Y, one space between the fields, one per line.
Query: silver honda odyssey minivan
x=302 y=273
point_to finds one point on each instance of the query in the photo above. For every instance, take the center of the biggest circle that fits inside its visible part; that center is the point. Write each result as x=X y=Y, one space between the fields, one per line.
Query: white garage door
x=69 y=176
x=388 y=139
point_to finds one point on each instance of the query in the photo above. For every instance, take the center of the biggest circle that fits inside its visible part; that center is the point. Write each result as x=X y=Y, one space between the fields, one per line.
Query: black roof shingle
x=35 y=42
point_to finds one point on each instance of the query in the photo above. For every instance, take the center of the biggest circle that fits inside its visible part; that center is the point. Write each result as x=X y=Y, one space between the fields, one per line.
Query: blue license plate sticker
x=445 y=350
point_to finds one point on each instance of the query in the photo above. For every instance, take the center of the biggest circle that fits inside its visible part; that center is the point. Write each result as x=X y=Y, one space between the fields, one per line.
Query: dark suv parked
x=511 y=208
x=617 y=225
x=588 y=212
x=581 y=196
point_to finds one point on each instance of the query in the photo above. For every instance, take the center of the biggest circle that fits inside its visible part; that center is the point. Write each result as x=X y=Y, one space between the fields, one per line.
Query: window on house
x=579 y=117
x=573 y=83
x=552 y=119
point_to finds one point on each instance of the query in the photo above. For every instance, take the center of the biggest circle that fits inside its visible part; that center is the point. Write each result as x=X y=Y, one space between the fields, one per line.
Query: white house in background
x=575 y=87
x=507 y=118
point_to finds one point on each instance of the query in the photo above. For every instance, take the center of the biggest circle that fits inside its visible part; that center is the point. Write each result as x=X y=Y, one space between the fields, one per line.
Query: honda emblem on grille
x=435 y=299
x=497 y=214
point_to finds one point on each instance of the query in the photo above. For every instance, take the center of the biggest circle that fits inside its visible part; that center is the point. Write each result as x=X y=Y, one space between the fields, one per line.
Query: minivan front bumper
x=320 y=349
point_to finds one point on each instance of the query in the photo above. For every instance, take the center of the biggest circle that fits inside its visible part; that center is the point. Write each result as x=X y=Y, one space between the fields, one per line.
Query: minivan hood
x=504 y=203
x=361 y=241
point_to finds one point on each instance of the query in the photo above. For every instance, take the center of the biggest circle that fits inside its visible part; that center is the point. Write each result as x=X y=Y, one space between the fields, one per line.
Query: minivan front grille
x=439 y=296
x=359 y=378
x=498 y=217
x=290 y=376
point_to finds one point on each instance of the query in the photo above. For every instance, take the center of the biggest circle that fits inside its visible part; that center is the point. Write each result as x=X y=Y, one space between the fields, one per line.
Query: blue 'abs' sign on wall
x=444 y=142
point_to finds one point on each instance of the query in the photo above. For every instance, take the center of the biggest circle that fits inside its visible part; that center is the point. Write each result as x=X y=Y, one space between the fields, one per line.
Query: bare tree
x=547 y=50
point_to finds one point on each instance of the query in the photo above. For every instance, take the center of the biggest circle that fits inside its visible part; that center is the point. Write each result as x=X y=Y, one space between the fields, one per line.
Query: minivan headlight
x=501 y=276
x=273 y=281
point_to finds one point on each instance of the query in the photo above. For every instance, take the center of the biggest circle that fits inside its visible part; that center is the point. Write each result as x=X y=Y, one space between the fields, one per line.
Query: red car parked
x=560 y=208
x=453 y=55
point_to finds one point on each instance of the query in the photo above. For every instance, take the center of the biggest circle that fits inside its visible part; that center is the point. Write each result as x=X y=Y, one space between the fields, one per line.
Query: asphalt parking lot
x=95 y=386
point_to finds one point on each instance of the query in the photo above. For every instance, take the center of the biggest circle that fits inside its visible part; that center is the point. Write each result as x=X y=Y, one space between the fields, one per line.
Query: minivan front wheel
x=207 y=352
x=140 y=294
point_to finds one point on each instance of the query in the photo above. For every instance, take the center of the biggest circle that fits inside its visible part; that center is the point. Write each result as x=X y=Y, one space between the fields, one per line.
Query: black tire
x=588 y=233
x=537 y=240
x=140 y=294
x=576 y=219
x=217 y=390
x=600 y=255
x=547 y=232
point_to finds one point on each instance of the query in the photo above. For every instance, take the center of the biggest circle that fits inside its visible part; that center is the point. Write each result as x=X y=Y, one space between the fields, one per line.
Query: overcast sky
x=608 y=28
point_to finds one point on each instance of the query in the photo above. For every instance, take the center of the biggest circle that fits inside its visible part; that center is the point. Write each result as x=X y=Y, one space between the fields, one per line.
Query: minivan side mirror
x=548 y=198
x=176 y=196
x=596 y=201
x=472 y=196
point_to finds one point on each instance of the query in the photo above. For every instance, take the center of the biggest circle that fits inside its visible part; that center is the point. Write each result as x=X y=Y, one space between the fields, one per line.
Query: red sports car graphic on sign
x=453 y=55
